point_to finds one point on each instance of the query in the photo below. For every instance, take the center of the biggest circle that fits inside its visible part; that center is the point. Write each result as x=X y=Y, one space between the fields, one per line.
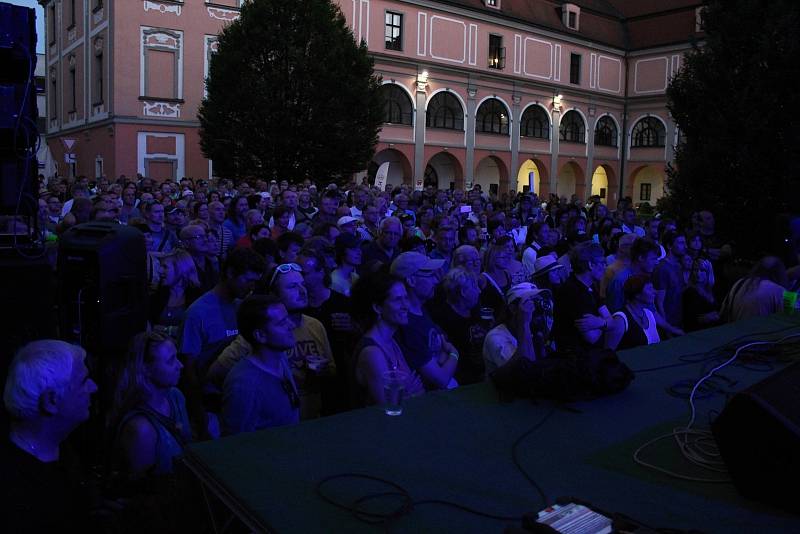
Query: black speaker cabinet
x=758 y=434
x=102 y=280
x=18 y=111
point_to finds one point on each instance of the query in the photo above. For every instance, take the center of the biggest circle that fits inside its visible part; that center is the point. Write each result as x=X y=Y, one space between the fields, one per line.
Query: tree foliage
x=290 y=95
x=736 y=105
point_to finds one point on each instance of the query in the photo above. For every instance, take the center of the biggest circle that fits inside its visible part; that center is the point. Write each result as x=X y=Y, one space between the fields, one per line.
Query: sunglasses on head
x=284 y=268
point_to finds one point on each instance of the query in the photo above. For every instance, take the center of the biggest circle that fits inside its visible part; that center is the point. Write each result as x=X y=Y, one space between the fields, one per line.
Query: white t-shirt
x=529 y=256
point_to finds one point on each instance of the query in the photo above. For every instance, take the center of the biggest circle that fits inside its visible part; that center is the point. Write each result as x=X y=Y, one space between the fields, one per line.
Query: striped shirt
x=225 y=240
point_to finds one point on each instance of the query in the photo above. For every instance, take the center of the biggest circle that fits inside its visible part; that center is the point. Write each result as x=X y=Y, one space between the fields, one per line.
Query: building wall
x=155 y=58
x=140 y=67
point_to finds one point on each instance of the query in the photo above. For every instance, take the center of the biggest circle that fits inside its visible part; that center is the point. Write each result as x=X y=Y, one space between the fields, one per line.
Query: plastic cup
x=316 y=363
x=394 y=386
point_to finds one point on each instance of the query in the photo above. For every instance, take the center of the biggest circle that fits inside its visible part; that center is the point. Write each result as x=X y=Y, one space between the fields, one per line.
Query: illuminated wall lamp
x=422 y=80
x=557 y=102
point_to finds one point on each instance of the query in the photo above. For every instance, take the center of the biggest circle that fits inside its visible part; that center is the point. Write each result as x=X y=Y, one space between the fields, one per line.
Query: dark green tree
x=736 y=104
x=290 y=95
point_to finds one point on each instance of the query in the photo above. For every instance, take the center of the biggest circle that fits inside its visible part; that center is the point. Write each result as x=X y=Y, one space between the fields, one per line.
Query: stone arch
x=491 y=171
x=648 y=184
x=439 y=113
x=563 y=122
x=407 y=110
x=399 y=166
x=571 y=180
x=546 y=113
x=541 y=177
x=446 y=90
x=503 y=124
x=640 y=118
x=616 y=125
x=604 y=183
x=404 y=88
x=444 y=169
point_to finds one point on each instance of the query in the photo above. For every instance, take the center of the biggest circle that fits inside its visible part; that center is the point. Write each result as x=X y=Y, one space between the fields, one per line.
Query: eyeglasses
x=199 y=236
x=284 y=268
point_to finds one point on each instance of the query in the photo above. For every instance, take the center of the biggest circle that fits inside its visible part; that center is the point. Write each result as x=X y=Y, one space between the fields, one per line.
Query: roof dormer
x=494 y=4
x=571 y=16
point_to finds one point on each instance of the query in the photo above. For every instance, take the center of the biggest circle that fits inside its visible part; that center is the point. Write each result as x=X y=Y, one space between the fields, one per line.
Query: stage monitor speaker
x=758 y=434
x=102 y=278
x=18 y=111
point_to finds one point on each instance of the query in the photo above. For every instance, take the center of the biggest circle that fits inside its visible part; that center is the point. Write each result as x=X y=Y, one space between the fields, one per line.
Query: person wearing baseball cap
x=513 y=338
x=582 y=321
x=347 y=225
x=424 y=344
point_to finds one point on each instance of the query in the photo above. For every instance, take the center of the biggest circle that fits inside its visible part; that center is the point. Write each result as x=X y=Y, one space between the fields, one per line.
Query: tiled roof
x=627 y=24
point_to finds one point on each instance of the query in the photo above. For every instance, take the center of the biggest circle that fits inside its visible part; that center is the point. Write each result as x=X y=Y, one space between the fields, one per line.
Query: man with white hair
x=468 y=257
x=47 y=395
x=384 y=249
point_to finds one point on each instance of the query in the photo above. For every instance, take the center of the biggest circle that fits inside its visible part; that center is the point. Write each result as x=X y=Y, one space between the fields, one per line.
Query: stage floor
x=456 y=446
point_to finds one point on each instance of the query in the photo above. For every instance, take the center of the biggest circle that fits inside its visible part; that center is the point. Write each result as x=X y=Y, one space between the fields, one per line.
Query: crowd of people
x=275 y=302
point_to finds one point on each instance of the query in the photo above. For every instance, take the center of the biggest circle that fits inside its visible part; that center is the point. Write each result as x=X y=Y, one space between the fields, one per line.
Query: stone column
x=419 y=133
x=592 y=122
x=469 y=160
x=554 y=155
x=516 y=122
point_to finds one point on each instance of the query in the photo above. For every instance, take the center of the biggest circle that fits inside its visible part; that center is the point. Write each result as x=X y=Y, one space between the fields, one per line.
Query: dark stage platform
x=456 y=446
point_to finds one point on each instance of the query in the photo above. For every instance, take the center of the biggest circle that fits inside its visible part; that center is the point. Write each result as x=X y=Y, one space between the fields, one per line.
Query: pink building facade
x=567 y=98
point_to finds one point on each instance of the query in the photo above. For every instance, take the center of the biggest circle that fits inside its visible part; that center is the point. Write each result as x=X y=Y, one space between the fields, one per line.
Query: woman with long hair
x=176 y=291
x=148 y=413
x=381 y=303
x=758 y=293
x=496 y=262
x=700 y=308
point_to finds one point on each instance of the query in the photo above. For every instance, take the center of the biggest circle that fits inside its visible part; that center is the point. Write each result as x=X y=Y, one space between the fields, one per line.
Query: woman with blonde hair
x=496 y=262
x=177 y=290
x=148 y=415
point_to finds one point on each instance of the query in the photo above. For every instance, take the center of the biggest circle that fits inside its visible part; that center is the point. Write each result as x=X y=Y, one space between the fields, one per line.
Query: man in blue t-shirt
x=210 y=324
x=260 y=391
x=424 y=345
x=669 y=282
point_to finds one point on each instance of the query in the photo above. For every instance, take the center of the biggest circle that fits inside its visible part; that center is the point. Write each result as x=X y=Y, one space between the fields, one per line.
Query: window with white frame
x=570 y=16
x=161 y=64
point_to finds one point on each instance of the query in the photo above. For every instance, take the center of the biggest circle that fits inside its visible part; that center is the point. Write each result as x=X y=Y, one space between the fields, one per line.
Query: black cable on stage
x=406 y=503
x=405 y=507
x=514 y=458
